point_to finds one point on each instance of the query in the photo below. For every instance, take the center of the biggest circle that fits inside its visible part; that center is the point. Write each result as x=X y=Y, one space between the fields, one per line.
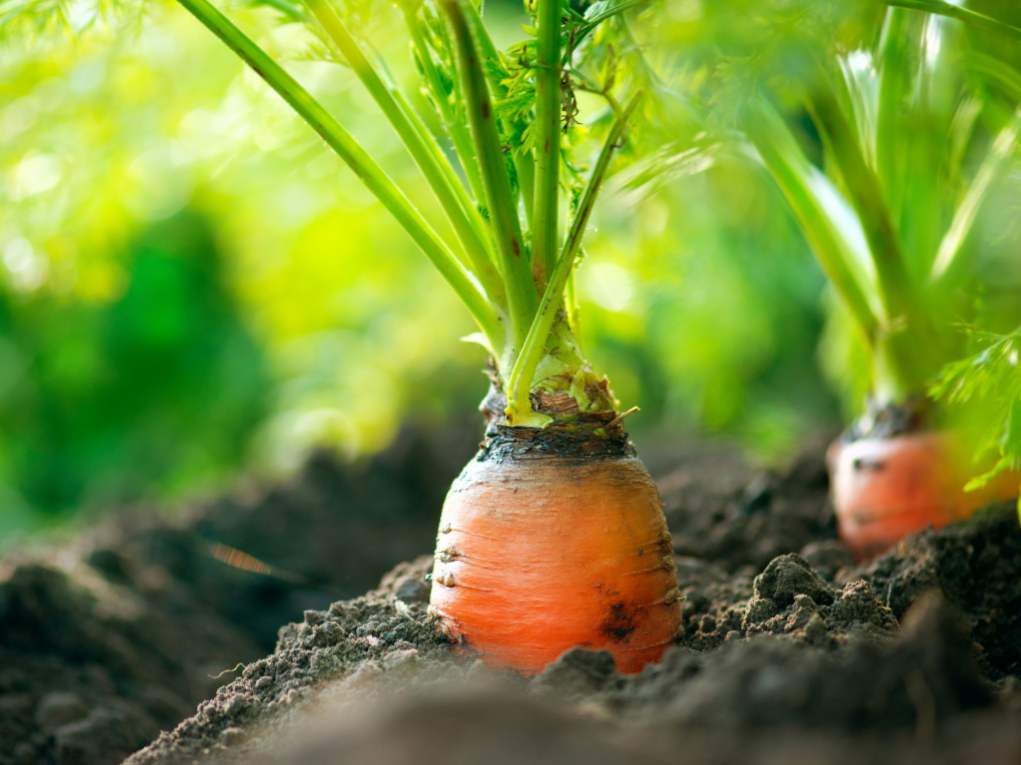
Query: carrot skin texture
x=884 y=489
x=536 y=556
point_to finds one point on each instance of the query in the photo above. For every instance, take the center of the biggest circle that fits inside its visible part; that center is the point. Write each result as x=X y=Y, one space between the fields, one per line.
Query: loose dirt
x=122 y=632
x=790 y=653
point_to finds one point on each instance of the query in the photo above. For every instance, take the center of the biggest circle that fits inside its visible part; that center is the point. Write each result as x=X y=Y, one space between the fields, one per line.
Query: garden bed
x=791 y=652
x=108 y=639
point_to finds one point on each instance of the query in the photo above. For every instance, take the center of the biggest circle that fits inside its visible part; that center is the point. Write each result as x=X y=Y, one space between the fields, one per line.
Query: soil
x=109 y=639
x=791 y=652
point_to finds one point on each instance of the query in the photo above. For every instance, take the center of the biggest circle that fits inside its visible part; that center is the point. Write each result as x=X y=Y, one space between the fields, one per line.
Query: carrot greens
x=364 y=166
x=886 y=130
x=990 y=378
x=500 y=142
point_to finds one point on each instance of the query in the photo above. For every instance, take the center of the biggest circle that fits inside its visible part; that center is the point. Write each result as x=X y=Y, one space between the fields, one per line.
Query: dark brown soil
x=106 y=641
x=791 y=653
x=805 y=666
x=720 y=509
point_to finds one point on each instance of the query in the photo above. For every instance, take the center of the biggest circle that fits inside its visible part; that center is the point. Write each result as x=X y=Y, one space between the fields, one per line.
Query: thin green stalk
x=895 y=84
x=571 y=307
x=457 y=130
x=488 y=51
x=863 y=187
x=548 y=99
x=830 y=226
x=952 y=245
x=384 y=189
x=492 y=66
x=503 y=214
x=463 y=215
x=525 y=167
x=519 y=382
x=975 y=18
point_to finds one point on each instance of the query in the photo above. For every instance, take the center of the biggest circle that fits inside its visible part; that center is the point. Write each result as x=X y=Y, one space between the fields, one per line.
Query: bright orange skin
x=887 y=488
x=538 y=555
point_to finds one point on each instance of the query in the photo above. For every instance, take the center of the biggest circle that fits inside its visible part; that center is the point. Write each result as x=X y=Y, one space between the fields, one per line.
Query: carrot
x=899 y=262
x=539 y=552
x=885 y=488
x=554 y=536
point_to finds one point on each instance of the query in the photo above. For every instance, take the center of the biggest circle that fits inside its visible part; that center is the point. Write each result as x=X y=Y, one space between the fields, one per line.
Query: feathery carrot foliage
x=887 y=126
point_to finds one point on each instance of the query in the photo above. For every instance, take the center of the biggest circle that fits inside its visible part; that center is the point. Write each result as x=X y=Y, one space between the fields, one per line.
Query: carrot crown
x=494 y=140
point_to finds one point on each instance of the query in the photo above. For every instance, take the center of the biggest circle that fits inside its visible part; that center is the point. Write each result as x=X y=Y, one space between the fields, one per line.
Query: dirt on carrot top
x=805 y=657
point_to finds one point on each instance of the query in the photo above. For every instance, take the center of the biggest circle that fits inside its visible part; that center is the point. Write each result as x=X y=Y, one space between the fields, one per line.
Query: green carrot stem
x=571 y=307
x=488 y=51
x=895 y=83
x=492 y=66
x=503 y=214
x=525 y=167
x=519 y=382
x=464 y=217
x=457 y=129
x=953 y=11
x=819 y=209
x=338 y=139
x=548 y=98
x=952 y=245
x=863 y=188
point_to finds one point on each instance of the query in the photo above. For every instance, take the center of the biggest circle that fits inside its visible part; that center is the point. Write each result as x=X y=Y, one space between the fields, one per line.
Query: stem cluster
x=872 y=211
x=513 y=284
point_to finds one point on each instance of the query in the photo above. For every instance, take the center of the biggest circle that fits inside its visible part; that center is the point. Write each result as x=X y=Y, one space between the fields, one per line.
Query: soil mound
x=790 y=664
x=111 y=638
x=790 y=652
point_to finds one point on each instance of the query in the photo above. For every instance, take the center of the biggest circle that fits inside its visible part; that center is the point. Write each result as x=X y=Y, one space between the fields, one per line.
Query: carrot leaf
x=990 y=381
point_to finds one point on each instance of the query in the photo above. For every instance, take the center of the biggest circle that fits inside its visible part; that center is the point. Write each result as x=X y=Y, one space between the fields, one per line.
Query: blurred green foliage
x=190 y=284
x=884 y=120
x=156 y=390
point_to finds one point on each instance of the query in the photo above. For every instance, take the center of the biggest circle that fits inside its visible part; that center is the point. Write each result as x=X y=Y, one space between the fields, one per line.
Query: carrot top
x=500 y=141
x=887 y=125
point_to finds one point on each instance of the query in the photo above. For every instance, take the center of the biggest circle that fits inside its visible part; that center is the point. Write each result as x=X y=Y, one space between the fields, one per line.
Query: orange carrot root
x=887 y=488
x=540 y=554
